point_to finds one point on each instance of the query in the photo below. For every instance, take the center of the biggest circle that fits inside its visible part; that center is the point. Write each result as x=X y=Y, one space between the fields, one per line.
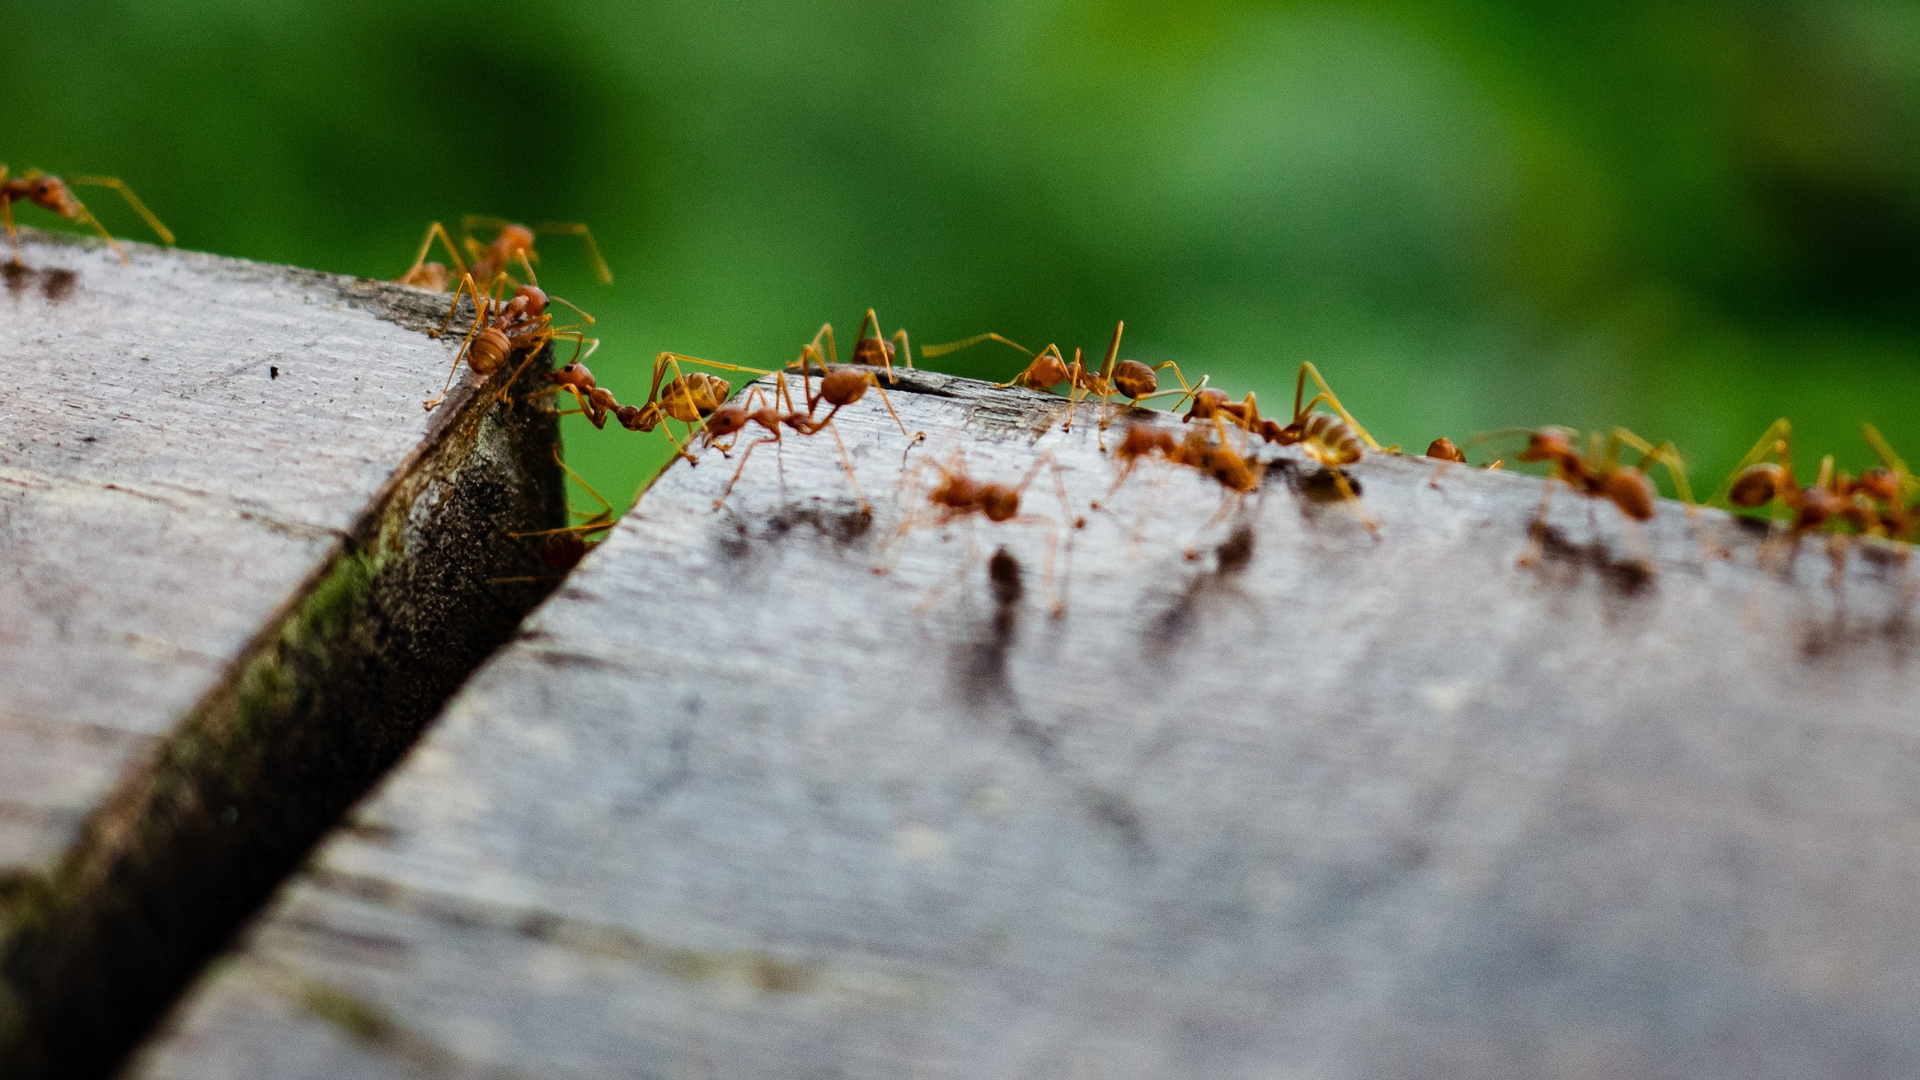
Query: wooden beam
x=243 y=568
x=1270 y=798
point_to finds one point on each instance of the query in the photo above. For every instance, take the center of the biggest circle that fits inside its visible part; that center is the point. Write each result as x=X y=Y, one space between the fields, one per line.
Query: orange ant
x=1213 y=457
x=52 y=193
x=957 y=495
x=1130 y=379
x=490 y=261
x=839 y=387
x=502 y=329
x=1597 y=474
x=687 y=397
x=1333 y=441
x=875 y=351
x=1447 y=452
x=1832 y=498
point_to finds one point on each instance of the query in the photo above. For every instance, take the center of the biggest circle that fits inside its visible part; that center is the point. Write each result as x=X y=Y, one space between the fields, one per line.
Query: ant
x=1597 y=473
x=957 y=495
x=1214 y=457
x=487 y=262
x=502 y=329
x=52 y=193
x=1130 y=379
x=1832 y=498
x=687 y=397
x=563 y=548
x=839 y=387
x=1333 y=441
x=1447 y=452
x=875 y=351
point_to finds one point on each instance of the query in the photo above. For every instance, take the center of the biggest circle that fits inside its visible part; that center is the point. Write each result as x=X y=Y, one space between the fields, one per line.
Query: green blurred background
x=1684 y=218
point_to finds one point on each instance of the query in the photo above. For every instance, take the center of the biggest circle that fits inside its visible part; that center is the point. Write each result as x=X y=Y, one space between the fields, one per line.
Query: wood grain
x=1303 y=804
x=223 y=514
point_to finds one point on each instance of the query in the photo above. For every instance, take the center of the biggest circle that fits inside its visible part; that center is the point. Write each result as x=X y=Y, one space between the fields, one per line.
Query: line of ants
x=512 y=320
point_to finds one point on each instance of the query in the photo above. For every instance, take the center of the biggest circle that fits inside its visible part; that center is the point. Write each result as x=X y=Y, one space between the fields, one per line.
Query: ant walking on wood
x=503 y=329
x=493 y=260
x=1130 y=379
x=958 y=496
x=1596 y=474
x=52 y=193
x=563 y=548
x=689 y=397
x=1214 y=457
x=839 y=387
x=875 y=351
x=1832 y=499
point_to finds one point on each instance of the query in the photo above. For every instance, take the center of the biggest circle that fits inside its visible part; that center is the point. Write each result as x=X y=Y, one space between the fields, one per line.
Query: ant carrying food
x=52 y=193
x=958 y=496
x=1129 y=379
x=1596 y=474
x=485 y=263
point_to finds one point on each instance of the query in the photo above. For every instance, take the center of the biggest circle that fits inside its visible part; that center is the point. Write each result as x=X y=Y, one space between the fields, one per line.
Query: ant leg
x=81 y=213
x=600 y=269
x=913 y=439
x=902 y=345
x=956 y=346
x=1353 y=499
x=742 y=467
x=825 y=331
x=1228 y=500
x=165 y=235
x=459 y=354
x=1299 y=384
x=576 y=308
x=966 y=567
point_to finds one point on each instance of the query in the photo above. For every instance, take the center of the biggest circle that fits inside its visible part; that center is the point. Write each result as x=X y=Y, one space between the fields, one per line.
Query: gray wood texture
x=217 y=487
x=1304 y=805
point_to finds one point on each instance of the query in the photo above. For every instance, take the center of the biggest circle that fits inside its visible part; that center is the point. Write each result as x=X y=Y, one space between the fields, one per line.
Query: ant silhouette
x=1596 y=474
x=957 y=496
x=1130 y=379
x=52 y=193
x=490 y=261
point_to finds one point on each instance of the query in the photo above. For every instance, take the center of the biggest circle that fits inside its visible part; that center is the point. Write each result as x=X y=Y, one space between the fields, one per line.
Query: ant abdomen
x=874 y=351
x=1134 y=379
x=845 y=387
x=489 y=351
x=563 y=550
x=1445 y=449
x=1327 y=438
x=1631 y=491
x=1757 y=485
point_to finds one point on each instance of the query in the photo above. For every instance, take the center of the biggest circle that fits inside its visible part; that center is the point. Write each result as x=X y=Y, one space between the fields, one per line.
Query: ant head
x=50 y=193
x=725 y=421
x=1632 y=492
x=574 y=374
x=876 y=351
x=513 y=238
x=1444 y=449
x=999 y=502
x=1549 y=444
x=844 y=387
x=1134 y=379
x=1757 y=485
x=532 y=299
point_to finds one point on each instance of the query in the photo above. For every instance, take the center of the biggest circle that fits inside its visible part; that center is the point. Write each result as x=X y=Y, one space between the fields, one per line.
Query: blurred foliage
x=1686 y=218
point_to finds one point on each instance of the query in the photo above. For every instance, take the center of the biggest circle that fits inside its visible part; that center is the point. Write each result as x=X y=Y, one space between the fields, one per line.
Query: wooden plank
x=1306 y=804
x=242 y=568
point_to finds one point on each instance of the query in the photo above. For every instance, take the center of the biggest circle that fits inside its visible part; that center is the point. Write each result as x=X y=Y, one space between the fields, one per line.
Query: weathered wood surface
x=224 y=519
x=1309 y=805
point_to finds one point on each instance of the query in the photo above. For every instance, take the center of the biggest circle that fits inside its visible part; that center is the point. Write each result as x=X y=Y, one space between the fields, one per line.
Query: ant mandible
x=52 y=193
x=1597 y=474
x=487 y=262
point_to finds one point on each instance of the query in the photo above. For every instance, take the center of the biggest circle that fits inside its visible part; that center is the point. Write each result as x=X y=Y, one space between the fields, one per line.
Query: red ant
x=839 y=387
x=52 y=193
x=488 y=262
x=957 y=495
x=1447 y=452
x=1597 y=474
x=563 y=548
x=501 y=330
x=1130 y=379
x=1333 y=441
x=875 y=351
x=1214 y=457
x=1831 y=499
x=687 y=397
